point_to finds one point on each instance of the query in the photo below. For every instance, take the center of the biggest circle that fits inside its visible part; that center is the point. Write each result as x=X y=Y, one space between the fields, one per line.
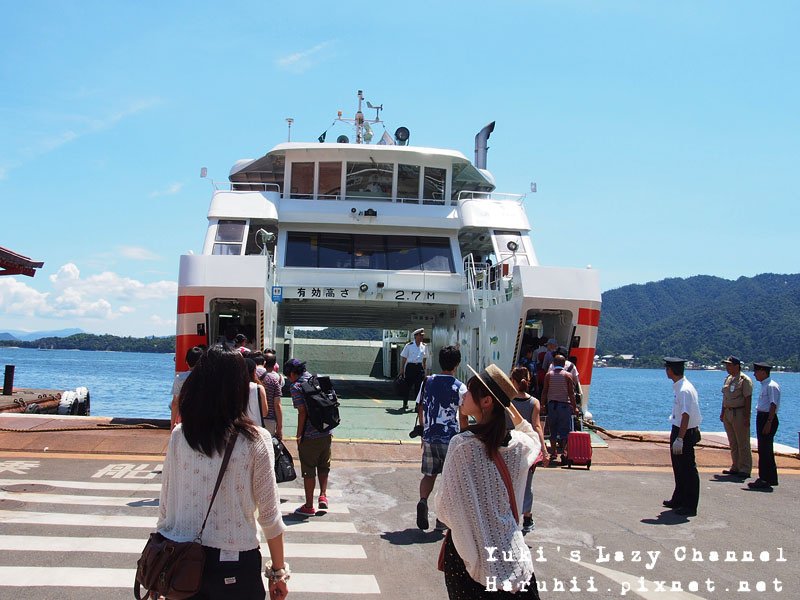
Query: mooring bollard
x=8 y=380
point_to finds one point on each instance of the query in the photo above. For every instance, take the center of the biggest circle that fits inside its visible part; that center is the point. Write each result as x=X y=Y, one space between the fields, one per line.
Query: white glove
x=677 y=446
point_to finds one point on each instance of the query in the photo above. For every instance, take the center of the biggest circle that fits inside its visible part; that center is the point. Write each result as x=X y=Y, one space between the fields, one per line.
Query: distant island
x=702 y=318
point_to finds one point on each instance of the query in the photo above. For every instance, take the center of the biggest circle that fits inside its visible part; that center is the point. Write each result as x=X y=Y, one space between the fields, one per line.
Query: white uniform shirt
x=770 y=394
x=685 y=402
x=415 y=354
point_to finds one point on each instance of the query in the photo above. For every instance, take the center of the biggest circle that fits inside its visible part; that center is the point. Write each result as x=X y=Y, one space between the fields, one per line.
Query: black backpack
x=322 y=405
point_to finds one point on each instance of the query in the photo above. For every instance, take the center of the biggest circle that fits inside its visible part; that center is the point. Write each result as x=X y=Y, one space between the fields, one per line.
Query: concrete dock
x=78 y=497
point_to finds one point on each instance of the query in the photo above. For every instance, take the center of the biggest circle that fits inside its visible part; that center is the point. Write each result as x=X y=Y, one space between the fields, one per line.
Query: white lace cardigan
x=188 y=480
x=473 y=502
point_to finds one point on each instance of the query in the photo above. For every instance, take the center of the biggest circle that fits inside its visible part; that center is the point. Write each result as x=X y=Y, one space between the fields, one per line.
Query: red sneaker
x=308 y=511
x=323 y=501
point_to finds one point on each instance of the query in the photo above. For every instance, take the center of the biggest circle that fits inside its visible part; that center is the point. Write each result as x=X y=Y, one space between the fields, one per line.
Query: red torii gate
x=12 y=263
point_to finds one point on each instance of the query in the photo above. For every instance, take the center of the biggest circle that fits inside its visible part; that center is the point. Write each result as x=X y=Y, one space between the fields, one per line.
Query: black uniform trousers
x=684 y=469
x=767 y=470
x=414 y=376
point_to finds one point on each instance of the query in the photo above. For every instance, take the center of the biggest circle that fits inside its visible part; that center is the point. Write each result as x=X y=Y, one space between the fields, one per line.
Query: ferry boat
x=381 y=234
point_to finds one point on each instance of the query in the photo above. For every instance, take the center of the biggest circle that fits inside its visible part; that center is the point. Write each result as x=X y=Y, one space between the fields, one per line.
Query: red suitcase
x=579 y=449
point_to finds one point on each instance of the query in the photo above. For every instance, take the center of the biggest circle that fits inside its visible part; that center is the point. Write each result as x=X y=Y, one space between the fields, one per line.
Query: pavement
x=78 y=497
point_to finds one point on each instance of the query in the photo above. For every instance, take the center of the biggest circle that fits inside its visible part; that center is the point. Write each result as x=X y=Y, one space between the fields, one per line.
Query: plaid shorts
x=433 y=458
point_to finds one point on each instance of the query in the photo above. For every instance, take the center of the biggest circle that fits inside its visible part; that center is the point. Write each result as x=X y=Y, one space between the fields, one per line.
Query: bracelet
x=275 y=575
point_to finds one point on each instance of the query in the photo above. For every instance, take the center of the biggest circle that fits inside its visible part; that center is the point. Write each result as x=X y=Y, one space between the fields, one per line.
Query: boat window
x=301 y=250
x=230 y=234
x=436 y=254
x=229 y=231
x=402 y=252
x=303 y=180
x=369 y=252
x=408 y=181
x=330 y=180
x=255 y=242
x=362 y=251
x=227 y=249
x=370 y=180
x=335 y=251
x=433 y=188
x=231 y=316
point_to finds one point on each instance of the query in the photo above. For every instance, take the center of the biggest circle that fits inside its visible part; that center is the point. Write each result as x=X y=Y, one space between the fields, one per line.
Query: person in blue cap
x=684 y=436
x=766 y=425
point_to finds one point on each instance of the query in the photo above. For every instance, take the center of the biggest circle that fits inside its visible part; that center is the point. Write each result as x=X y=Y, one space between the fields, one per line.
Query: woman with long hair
x=213 y=408
x=474 y=500
x=257 y=396
x=529 y=407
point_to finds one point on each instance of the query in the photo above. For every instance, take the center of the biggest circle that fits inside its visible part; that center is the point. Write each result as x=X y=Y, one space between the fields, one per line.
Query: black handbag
x=175 y=569
x=284 y=464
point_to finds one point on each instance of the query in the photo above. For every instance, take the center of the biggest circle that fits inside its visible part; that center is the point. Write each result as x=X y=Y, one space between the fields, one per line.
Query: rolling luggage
x=579 y=449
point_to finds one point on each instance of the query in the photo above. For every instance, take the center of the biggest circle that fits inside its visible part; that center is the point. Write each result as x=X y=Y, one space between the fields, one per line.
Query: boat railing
x=246 y=186
x=487 y=284
x=502 y=196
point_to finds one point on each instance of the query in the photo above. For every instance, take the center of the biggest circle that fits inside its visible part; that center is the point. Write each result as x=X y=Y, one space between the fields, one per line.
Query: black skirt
x=461 y=586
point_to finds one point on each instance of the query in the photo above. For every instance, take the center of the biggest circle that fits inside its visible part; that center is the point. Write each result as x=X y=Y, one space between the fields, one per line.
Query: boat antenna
x=361 y=123
x=289 y=120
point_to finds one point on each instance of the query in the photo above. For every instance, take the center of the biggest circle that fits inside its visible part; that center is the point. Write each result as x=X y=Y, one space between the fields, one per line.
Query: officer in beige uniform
x=737 y=398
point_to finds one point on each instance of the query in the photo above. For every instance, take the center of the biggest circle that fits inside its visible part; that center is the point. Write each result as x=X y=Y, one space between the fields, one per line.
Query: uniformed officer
x=766 y=425
x=413 y=364
x=685 y=434
x=737 y=398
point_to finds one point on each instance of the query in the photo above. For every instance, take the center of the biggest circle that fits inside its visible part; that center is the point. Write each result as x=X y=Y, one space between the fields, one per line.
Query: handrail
x=501 y=196
x=486 y=283
x=253 y=186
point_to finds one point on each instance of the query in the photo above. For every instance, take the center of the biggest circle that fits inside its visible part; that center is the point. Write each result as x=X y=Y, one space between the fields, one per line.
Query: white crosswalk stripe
x=122 y=578
x=81 y=500
x=80 y=513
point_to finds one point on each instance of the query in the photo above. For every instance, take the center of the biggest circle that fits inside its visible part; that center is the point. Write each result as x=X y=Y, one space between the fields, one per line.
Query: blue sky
x=661 y=135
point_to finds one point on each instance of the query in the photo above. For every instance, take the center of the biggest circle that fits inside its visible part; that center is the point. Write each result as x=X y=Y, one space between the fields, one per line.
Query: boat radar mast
x=363 y=127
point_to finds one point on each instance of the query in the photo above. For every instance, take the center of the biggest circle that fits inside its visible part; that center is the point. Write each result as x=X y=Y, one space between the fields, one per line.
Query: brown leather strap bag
x=175 y=569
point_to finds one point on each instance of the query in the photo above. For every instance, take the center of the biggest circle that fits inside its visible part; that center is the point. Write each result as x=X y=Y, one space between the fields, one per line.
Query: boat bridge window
x=229 y=236
x=434 y=184
x=330 y=180
x=346 y=251
x=370 y=180
x=303 y=180
x=408 y=182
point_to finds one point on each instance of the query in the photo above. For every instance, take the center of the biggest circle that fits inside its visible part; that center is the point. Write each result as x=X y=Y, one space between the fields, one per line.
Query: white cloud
x=299 y=62
x=88 y=125
x=93 y=297
x=170 y=190
x=161 y=322
x=137 y=253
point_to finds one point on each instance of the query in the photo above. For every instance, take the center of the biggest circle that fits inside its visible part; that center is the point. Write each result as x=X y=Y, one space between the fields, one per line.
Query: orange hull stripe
x=182 y=345
x=192 y=304
x=588 y=316
x=584 y=359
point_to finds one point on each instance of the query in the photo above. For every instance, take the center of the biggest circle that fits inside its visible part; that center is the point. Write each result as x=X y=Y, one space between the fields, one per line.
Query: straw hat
x=498 y=384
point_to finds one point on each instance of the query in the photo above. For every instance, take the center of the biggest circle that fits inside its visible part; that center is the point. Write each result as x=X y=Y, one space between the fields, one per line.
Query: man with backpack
x=313 y=443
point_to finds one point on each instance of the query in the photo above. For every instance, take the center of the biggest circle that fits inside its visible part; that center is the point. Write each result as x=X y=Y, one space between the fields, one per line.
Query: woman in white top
x=257 y=398
x=213 y=405
x=473 y=500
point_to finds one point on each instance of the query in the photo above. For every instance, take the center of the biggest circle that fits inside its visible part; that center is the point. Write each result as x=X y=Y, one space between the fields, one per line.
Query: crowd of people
x=482 y=438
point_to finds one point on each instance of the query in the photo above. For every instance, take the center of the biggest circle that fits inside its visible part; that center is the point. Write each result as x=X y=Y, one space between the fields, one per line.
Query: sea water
x=130 y=384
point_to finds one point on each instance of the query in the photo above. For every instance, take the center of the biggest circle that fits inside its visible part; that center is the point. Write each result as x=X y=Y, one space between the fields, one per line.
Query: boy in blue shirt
x=438 y=410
